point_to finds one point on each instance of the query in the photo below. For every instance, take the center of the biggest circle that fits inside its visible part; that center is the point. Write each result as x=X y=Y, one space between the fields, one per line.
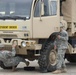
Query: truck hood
x=15 y=28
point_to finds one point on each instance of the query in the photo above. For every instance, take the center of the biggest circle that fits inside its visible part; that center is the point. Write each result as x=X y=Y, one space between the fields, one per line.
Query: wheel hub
x=52 y=57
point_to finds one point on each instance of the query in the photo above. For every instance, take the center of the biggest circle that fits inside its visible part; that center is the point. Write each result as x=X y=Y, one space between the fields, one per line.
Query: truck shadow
x=71 y=65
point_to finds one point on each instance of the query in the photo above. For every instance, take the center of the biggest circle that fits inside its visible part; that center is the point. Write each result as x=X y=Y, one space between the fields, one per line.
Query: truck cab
x=27 y=22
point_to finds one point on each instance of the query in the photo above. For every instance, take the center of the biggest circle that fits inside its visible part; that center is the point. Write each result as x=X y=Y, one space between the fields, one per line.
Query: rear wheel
x=4 y=67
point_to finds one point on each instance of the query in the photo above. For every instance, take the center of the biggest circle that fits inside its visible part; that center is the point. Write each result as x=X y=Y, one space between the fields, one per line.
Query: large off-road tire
x=48 y=56
x=71 y=58
x=47 y=60
x=4 y=67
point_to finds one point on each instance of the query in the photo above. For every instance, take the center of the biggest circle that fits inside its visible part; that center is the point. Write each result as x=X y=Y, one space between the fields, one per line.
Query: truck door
x=49 y=22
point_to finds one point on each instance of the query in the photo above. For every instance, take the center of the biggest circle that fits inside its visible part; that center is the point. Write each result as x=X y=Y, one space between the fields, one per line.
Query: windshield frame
x=20 y=15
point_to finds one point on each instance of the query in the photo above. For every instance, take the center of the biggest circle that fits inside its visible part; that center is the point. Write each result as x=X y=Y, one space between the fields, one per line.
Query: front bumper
x=30 y=45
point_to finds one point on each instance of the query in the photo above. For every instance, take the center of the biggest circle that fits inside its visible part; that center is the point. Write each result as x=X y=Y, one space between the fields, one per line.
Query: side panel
x=47 y=25
x=43 y=29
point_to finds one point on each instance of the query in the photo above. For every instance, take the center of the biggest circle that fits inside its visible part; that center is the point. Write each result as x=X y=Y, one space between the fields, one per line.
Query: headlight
x=23 y=44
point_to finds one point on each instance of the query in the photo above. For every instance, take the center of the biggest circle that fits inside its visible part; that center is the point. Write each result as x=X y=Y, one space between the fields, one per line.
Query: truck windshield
x=15 y=9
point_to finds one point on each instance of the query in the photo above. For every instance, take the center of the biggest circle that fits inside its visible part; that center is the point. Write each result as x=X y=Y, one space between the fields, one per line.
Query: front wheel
x=52 y=56
x=48 y=56
x=47 y=60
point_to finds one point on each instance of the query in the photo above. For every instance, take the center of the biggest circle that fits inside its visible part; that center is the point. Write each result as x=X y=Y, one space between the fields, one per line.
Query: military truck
x=34 y=25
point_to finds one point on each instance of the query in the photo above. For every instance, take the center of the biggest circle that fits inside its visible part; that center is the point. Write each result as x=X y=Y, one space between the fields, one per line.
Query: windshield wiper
x=12 y=17
x=18 y=17
x=5 y=17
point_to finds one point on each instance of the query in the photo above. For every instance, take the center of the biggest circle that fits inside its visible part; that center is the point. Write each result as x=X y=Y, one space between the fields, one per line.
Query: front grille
x=7 y=36
x=8 y=48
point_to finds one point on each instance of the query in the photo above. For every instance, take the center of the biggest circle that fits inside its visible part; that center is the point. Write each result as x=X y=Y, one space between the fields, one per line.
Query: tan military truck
x=34 y=24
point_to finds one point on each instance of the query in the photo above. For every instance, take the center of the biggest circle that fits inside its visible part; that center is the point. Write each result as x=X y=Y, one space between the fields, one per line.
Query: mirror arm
x=40 y=9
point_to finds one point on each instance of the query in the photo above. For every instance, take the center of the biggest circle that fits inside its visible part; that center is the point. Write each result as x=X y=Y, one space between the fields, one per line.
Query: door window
x=50 y=8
